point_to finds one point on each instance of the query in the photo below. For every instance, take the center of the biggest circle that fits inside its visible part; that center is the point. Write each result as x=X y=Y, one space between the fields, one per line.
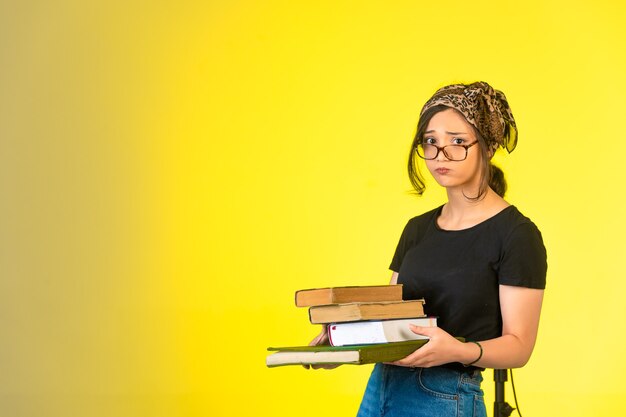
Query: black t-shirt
x=458 y=272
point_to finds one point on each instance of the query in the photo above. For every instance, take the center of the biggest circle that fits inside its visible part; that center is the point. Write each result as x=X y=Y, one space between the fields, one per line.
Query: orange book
x=341 y=295
x=338 y=313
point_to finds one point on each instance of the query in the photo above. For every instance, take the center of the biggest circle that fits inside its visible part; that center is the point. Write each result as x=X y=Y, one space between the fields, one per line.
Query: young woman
x=479 y=263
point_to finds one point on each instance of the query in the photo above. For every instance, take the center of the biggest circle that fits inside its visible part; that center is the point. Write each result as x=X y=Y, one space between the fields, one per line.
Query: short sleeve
x=411 y=235
x=524 y=259
x=408 y=239
x=403 y=246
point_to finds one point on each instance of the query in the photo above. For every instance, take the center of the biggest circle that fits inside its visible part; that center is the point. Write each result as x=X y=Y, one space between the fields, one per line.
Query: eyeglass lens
x=452 y=152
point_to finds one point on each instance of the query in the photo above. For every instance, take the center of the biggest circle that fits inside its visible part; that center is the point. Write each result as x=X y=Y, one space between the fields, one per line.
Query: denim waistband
x=454 y=366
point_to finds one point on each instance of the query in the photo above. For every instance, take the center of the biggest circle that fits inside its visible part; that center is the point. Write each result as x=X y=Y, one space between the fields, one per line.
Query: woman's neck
x=461 y=212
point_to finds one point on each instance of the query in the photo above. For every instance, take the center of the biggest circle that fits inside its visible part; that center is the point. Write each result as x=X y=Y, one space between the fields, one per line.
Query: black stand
x=500 y=407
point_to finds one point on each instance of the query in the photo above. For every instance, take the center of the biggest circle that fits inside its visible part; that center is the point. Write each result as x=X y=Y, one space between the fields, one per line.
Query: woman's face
x=446 y=128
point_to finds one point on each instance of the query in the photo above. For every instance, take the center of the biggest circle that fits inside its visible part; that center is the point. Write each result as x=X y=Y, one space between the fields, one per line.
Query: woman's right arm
x=321 y=339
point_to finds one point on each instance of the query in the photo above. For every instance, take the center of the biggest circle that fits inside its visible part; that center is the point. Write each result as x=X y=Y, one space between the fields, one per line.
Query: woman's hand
x=321 y=339
x=441 y=348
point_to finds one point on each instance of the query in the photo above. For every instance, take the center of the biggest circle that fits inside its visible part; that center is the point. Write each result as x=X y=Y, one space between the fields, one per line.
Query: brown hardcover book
x=341 y=295
x=338 y=313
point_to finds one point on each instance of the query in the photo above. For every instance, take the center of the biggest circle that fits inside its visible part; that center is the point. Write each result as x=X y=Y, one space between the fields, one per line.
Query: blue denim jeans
x=394 y=391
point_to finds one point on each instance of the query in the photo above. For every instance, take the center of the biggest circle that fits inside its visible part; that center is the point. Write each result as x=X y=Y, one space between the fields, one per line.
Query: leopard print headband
x=485 y=108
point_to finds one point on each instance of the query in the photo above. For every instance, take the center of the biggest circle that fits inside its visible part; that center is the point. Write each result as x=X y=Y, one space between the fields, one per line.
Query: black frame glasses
x=421 y=151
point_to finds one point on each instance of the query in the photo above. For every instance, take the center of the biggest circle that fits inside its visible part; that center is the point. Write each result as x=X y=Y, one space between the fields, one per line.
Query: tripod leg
x=500 y=407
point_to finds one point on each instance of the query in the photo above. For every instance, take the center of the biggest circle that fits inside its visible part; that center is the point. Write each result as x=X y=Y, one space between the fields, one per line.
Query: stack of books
x=365 y=324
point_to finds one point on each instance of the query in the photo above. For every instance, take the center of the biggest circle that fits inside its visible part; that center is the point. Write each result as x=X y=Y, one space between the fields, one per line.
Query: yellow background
x=171 y=172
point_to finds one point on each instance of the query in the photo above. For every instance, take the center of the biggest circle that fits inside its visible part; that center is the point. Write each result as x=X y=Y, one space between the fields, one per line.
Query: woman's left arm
x=520 y=308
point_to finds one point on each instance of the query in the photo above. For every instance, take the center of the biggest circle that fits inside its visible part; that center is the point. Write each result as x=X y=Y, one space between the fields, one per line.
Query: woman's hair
x=490 y=175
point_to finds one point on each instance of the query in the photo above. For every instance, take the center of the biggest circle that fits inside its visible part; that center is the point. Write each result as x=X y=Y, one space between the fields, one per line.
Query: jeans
x=394 y=391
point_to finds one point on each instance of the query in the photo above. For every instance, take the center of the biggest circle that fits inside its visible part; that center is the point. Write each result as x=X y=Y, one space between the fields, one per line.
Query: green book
x=356 y=355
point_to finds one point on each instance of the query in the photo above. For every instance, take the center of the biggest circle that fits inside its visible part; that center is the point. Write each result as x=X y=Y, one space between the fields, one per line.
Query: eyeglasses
x=452 y=152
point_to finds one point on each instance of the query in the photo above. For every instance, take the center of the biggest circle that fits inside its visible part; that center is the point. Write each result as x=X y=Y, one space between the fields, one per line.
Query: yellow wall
x=171 y=172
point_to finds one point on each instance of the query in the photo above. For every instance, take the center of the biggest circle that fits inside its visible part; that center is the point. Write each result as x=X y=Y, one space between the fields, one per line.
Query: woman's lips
x=442 y=171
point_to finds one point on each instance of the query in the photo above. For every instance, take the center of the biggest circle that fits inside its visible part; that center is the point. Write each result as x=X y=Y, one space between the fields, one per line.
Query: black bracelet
x=480 y=355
